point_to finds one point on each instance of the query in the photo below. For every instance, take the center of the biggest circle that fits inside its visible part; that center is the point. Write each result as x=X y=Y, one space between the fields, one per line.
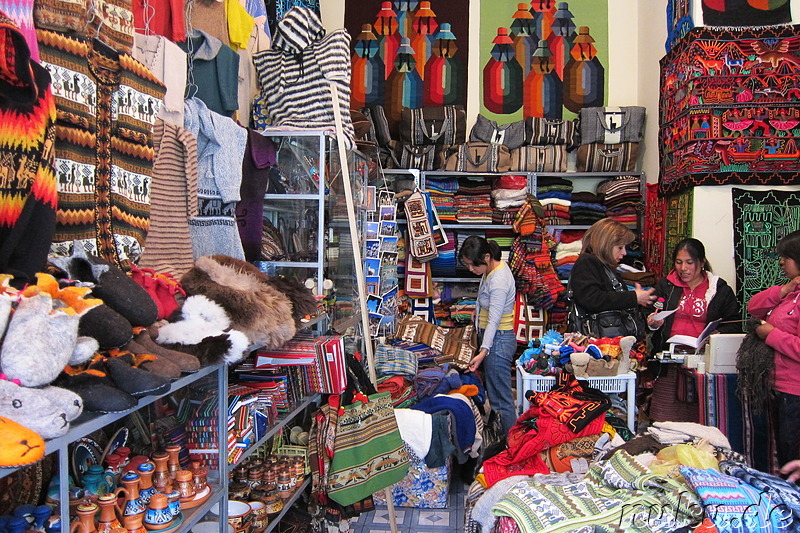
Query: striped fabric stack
x=567 y=251
x=473 y=202
x=507 y=203
x=445 y=264
x=586 y=208
x=622 y=198
x=555 y=195
x=443 y=197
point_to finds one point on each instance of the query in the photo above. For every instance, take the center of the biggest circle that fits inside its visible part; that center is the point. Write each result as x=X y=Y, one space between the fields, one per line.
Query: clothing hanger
x=191 y=86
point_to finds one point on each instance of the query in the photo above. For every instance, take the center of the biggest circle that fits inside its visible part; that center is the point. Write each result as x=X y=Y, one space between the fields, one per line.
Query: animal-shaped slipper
x=19 y=446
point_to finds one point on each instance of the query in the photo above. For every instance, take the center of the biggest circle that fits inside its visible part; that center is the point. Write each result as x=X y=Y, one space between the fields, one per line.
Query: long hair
x=789 y=246
x=696 y=251
x=603 y=236
x=476 y=247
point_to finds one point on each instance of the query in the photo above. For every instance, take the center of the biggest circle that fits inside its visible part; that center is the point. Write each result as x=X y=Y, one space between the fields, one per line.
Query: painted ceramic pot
x=158 y=514
x=132 y=503
x=146 y=488
x=108 y=513
x=260 y=519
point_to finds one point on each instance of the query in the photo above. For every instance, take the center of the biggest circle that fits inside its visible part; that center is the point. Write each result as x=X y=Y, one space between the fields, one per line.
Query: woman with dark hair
x=779 y=311
x=697 y=294
x=595 y=283
x=494 y=317
x=698 y=297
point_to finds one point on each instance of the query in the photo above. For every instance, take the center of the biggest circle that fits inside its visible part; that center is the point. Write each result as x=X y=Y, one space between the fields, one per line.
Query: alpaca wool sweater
x=106 y=105
x=295 y=74
x=784 y=314
x=215 y=72
x=27 y=181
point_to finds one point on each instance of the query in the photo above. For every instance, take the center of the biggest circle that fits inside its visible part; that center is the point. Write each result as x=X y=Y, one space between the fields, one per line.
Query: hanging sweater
x=214 y=72
x=27 y=130
x=295 y=74
x=106 y=105
x=168 y=62
x=220 y=151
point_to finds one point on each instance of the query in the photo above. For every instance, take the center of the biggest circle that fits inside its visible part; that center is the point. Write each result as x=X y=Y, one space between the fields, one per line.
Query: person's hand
x=791 y=286
x=763 y=330
x=652 y=323
x=793 y=469
x=644 y=297
x=477 y=359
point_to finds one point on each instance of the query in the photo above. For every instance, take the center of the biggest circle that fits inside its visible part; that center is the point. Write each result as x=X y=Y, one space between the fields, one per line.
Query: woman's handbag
x=612 y=323
x=368 y=453
x=510 y=135
x=552 y=131
x=479 y=157
x=550 y=158
x=443 y=126
x=607 y=157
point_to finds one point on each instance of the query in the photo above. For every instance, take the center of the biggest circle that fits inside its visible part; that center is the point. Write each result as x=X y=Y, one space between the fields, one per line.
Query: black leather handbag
x=612 y=323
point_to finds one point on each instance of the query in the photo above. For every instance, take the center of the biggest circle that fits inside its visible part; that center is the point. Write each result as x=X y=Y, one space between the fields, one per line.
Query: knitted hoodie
x=294 y=75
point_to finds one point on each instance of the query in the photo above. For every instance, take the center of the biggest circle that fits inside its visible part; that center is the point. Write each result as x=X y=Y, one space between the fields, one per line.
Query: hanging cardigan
x=106 y=105
x=295 y=74
x=27 y=181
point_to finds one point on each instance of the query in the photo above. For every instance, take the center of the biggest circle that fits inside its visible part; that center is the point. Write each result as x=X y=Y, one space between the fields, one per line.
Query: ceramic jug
x=133 y=523
x=158 y=514
x=161 y=479
x=146 y=488
x=174 y=502
x=174 y=463
x=108 y=513
x=184 y=483
x=85 y=521
x=132 y=504
x=107 y=480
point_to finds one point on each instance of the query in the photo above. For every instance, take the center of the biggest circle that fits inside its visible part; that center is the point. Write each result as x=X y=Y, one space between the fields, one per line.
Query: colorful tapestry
x=654 y=230
x=679 y=21
x=760 y=219
x=729 y=108
x=678 y=224
x=408 y=53
x=719 y=406
x=746 y=12
x=545 y=61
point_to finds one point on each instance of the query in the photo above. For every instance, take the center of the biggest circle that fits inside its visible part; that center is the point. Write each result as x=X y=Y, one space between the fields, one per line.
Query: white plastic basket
x=624 y=383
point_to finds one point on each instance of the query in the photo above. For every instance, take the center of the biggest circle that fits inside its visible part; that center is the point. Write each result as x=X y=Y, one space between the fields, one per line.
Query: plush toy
x=19 y=446
x=253 y=304
x=47 y=411
x=579 y=362
x=202 y=328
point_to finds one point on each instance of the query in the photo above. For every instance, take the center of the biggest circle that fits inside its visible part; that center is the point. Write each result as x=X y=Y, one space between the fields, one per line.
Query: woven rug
x=654 y=230
x=678 y=224
x=760 y=219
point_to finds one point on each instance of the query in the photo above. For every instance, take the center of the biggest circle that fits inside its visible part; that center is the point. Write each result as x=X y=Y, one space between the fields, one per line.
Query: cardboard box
x=720 y=354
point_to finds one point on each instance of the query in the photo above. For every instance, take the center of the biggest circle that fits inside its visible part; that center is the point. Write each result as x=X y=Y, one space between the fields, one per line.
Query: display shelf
x=458 y=225
x=582 y=226
x=193 y=516
x=291 y=197
x=456 y=280
x=278 y=425
x=287 y=504
x=315 y=320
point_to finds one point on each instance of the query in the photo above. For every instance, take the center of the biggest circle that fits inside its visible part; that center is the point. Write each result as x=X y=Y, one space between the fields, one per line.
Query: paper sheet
x=661 y=315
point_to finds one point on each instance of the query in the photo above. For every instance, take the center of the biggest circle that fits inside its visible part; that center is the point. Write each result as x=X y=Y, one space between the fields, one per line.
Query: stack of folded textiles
x=507 y=203
x=586 y=208
x=557 y=314
x=567 y=251
x=473 y=202
x=622 y=198
x=442 y=195
x=444 y=265
x=504 y=239
x=555 y=195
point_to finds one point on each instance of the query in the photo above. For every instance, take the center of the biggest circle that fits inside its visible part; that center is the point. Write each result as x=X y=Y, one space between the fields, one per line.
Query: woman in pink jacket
x=780 y=312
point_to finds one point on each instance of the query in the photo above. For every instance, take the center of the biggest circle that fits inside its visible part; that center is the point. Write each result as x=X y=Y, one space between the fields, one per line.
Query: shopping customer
x=494 y=317
x=779 y=311
x=595 y=283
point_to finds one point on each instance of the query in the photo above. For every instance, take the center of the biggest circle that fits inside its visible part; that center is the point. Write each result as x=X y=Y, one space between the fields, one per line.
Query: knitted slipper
x=135 y=381
x=107 y=326
x=98 y=393
x=185 y=361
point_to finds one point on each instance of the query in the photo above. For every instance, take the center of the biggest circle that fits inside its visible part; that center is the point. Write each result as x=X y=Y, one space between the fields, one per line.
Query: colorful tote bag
x=620 y=157
x=552 y=131
x=479 y=157
x=421 y=242
x=368 y=453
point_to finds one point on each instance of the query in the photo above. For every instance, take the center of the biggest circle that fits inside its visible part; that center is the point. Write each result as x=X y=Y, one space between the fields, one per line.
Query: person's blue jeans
x=497 y=376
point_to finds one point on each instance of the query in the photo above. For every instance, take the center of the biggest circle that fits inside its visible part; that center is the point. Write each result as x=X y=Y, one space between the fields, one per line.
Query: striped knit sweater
x=27 y=182
x=107 y=104
x=295 y=74
x=174 y=201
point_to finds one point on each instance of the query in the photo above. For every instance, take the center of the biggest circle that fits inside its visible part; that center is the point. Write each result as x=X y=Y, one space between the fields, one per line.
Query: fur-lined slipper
x=185 y=361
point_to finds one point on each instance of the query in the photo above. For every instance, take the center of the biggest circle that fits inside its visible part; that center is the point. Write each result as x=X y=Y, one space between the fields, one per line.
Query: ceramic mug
x=239 y=516
x=259 y=517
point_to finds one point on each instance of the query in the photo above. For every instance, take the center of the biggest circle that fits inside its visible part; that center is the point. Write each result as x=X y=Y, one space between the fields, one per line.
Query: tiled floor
x=410 y=520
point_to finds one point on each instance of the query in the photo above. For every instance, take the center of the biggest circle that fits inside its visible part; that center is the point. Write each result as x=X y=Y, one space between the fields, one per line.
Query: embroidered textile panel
x=728 y=112
x=760 y=220
x=679 y=21
x=523 y=79
x=678 y=224
x=654 y=230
